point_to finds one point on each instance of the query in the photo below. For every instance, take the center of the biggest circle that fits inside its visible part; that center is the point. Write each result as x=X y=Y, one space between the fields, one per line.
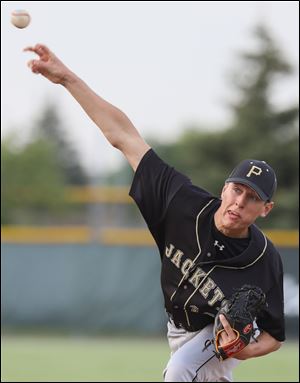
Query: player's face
x=240 y=207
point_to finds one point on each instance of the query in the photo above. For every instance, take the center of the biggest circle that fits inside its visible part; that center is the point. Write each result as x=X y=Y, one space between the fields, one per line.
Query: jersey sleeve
x=154 y=185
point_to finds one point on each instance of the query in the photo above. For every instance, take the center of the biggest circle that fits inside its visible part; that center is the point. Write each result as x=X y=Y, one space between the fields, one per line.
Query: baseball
x=20 y=18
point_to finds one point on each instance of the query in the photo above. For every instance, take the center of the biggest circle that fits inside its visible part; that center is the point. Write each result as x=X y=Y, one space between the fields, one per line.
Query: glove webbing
x=252 y=299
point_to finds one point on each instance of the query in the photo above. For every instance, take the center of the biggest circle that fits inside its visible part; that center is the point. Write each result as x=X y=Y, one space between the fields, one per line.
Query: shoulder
x=273 y=256
x=151 y=160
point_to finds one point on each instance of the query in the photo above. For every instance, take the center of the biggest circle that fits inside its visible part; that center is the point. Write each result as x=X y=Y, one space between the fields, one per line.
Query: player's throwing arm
x=114 y=124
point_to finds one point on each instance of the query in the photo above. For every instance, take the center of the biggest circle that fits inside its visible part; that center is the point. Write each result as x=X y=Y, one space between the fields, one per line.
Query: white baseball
x=20 y=18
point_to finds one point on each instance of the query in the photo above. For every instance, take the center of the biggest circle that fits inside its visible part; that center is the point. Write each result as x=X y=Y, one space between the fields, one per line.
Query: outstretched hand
x=47 y=64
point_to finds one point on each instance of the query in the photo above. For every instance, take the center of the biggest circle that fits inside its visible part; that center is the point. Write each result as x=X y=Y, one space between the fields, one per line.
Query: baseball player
x=208 y=245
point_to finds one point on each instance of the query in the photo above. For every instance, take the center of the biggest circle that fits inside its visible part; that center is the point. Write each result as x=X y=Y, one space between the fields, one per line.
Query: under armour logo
x=221 y=247
x=194 y=309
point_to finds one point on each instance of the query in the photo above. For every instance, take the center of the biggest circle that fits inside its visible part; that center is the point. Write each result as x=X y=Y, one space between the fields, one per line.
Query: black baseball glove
x=240 y=310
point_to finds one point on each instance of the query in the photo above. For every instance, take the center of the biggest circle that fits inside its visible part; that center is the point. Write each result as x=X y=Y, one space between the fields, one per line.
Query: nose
x=240 y=201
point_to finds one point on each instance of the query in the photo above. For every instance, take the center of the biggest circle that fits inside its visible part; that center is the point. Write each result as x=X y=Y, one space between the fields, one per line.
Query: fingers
x=230 y=333
x=47 y=64
x=38 y=49
x=44 y=54
x=32 y=64
x=41 y=50
x=36 y=66
x=224 y=321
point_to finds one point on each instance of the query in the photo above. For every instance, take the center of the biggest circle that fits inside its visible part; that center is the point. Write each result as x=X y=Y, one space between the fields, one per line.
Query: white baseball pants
x=190 y=363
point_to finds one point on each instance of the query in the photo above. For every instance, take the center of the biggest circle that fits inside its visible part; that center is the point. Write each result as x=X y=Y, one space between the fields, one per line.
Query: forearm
x=265 y=344
x=114 y=124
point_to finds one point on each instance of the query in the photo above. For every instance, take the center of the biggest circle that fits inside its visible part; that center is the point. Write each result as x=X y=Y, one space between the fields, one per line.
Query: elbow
x=278 y=345
x=115 y=140
x=118 y=132
x=117 y=143
x=274 y=343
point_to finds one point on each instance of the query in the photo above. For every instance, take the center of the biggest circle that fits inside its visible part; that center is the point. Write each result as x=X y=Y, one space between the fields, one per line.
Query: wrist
x=244 y=354
x=252 y=350
x=68 y=79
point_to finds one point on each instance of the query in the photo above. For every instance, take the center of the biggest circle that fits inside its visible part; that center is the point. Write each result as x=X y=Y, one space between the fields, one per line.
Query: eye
x=237 y=189
x=253 y=198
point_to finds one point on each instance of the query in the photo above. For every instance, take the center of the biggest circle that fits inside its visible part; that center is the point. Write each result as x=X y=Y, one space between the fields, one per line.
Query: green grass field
x=82 y=359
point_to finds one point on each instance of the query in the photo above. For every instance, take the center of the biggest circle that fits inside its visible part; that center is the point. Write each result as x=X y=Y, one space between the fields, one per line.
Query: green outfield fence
x=104 y=280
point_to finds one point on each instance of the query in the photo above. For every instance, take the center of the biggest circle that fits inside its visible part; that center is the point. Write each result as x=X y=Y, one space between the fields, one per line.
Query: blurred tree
x=50 y=128
x=259 y=130
x=30 y=180
x=258 y=123
x=34 y=174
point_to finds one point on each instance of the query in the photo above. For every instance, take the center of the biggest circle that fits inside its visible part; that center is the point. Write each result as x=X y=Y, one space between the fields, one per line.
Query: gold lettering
x=186 y=265
x=207 y=287
x=195 y=278
x=177 y=258
x=218 y=296
x=254 y=170
x=169 y=250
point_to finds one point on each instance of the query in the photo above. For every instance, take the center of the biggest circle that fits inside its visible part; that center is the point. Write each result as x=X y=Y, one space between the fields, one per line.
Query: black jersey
x=195 y=276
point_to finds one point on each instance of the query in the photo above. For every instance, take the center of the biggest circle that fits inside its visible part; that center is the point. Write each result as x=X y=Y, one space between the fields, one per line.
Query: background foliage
x=33 y=176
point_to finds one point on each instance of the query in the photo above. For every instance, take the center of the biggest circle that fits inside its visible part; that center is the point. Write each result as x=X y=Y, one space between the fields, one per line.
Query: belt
x=190 y=328
x=180 y=325
x=171 y=320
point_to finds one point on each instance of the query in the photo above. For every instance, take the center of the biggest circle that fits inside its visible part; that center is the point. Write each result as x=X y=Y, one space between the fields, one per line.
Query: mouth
x=233 y=214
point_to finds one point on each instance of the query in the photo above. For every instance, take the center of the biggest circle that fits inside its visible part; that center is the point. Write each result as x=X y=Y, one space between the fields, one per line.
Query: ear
x=266 y=209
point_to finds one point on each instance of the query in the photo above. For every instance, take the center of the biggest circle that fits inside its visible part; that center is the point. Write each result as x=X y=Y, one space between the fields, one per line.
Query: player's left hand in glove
x=240 y=311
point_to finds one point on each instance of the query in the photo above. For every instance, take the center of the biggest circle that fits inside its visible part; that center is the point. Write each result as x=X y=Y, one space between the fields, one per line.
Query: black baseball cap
x=258 y=175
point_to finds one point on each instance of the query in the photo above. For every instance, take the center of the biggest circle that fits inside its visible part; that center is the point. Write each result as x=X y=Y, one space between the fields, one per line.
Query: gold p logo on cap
x=254 y=170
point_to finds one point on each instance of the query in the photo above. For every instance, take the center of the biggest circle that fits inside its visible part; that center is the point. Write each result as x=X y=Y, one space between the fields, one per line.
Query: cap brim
x=254 y=187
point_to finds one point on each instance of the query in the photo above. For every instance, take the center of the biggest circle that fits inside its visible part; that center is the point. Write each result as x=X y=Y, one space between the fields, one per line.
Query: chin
x=229 y=225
